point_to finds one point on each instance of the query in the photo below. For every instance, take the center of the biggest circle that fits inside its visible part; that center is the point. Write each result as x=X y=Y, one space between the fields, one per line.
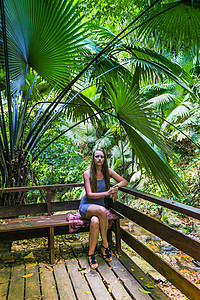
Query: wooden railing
x=165 y=232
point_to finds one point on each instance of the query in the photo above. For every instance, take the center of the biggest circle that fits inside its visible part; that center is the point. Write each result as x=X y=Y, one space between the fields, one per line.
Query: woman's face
x=98 y=157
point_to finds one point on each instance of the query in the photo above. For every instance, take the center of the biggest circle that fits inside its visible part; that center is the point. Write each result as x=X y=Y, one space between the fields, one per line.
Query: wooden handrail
x=41 y=187
x=171 y=204
x=165 y=232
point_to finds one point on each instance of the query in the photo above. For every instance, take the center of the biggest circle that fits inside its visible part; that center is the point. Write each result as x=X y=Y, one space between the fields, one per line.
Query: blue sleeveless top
x=85 y=202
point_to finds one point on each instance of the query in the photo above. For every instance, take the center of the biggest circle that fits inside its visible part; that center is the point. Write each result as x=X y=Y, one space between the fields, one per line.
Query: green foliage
x=110 y=14
x=49 y=37
x=61 y=162
x=182 y=32
x=44 y=35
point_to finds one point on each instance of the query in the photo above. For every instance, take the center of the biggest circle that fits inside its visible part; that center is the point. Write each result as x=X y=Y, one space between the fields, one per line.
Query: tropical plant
x=50 y=39
x=181 y=32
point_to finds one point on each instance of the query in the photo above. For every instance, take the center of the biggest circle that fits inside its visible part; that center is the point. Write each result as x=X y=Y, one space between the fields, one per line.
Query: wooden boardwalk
x=71 y=278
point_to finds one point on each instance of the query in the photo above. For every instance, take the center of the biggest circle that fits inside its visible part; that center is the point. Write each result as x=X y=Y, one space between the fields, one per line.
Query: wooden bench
x=46 y=219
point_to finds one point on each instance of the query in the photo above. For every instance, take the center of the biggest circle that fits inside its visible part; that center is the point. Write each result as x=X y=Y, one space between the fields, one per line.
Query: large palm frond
x=134 y=113
x=176 y=28
x=151 y=62
x=153 y=162
x=48 y=36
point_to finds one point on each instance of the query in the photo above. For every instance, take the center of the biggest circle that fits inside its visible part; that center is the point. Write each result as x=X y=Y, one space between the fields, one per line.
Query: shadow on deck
x=71 y=278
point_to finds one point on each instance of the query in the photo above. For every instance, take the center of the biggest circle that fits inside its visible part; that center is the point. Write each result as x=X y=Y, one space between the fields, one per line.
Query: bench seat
x=49 y=225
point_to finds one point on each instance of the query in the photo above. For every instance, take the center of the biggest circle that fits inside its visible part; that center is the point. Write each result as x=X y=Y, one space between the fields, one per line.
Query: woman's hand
x=113 y=190
x=114 y=197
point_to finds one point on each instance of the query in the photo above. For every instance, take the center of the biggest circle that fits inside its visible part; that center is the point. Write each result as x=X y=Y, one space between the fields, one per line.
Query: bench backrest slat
x=19 y=210
x=34 y=209
x=65 y=206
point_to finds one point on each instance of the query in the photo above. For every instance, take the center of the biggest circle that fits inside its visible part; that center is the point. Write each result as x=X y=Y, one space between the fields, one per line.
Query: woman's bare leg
x=93 y=234
x=100 y=212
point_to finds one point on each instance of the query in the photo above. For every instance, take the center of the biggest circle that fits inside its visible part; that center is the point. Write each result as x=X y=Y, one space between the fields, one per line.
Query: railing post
x=51 y=244
x=117 y=236
x=49 y=208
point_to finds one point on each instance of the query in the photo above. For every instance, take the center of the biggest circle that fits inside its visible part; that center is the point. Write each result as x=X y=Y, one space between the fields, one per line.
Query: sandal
x=93 y=261
x=107 y=256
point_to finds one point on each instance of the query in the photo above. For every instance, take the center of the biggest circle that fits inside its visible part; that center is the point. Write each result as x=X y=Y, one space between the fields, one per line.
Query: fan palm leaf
x=162 y=100
x=134 y=110
x=182 y=31
x=180 y=112
x=153 y=162
x=138 y=120
x=48 y=36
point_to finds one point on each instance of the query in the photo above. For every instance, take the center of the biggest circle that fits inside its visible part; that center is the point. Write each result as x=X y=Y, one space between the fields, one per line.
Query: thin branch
x=178 y=130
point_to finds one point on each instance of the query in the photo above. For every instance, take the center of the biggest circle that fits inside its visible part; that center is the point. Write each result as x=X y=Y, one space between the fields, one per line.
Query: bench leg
x=118 y=236
x=109 y=236
x=51 y=244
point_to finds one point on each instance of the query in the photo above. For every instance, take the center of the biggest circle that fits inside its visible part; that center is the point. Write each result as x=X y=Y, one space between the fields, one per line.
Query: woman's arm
x=90 y=194
x=121 y=182
x=117 y=177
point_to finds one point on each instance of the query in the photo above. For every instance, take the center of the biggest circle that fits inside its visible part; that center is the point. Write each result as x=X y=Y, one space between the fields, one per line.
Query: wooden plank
x=142 y=278
x=16 y=290
x=25 y=225
x=65 y=205
x=185 y=286
x=79 y=283
x=64 y=285
x=4 y=282
x=42 y=187
x=171 y=204
x=26 y=209
x=112 y=281
x=32 y=284
x=130 y=282
x=48 y=285
x=23 y=234
x=95 y=282
x=39 y=208
x=172 y=236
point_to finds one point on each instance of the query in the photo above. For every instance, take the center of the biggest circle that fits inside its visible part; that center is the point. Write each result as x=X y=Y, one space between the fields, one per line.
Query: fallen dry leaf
x=29 y=256
x=81 y=269
x=9 y=260
x=28 y=275
x=4 y=282
x=48 y=267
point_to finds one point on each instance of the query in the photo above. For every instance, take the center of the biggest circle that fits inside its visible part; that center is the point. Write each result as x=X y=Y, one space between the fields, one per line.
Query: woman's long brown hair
x=93 y=172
